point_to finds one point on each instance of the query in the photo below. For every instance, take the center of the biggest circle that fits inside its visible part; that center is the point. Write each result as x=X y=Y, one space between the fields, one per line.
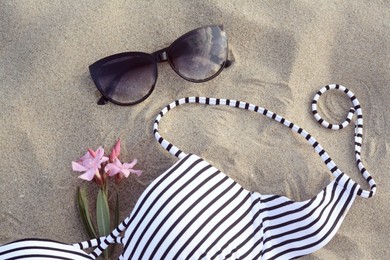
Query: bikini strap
x=356 y=108
x=295 y=128
x=102 y=243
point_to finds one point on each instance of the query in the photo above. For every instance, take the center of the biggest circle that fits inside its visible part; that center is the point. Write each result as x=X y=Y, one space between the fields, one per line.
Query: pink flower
x=125 y=169
x=90 y=164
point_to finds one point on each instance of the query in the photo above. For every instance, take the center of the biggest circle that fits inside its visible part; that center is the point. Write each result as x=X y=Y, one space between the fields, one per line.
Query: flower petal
x=126 y=172
x=88 y=175
x=99 y=159
x=112 y=169
x=78 y=167
x=99 y=152
x=104 y=159
x=86 y=156
x=131 y=165
x=136 y=172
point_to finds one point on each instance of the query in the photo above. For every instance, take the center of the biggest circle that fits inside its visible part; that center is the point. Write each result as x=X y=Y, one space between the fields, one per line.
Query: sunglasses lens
x=125 y=78
x=199 y=55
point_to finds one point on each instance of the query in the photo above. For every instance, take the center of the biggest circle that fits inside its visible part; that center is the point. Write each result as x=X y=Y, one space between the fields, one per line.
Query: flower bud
x=92 y=152
x=113 y=155
x=117 y=147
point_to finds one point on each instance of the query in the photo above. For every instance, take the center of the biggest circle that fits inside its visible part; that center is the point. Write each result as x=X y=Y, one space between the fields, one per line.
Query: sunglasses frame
x=158 y=56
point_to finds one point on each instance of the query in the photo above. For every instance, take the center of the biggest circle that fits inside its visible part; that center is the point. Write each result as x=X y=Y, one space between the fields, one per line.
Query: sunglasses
x=129 y=78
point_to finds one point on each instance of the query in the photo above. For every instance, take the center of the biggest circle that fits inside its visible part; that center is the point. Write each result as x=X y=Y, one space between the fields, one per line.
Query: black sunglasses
x=129 y=78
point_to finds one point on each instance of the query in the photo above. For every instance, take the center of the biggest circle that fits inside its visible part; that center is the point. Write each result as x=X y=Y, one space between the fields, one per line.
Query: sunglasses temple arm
x=231 y=59
x=102 y=101
x=228 y=63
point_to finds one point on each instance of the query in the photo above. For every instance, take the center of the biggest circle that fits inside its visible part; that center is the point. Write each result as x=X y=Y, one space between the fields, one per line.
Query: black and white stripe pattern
x=103 y=243
x=41 y=249
x=194 y=211
x=356 y=108
x=96 y=242
x=295 y=128
x=49 y=249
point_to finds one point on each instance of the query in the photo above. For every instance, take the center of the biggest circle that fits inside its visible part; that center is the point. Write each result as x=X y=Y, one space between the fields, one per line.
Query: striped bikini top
x=194 y=211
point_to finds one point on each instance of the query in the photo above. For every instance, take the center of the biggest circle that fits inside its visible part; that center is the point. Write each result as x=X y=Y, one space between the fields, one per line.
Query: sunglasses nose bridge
x=161 y=55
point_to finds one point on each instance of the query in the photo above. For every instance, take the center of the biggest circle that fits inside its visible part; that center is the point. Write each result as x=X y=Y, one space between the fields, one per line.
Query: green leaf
x=82 y=202
x=102 y=214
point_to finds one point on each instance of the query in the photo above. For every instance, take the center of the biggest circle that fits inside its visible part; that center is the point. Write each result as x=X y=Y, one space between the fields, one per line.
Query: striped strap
x=95 y=242
x=295 y=128
x=103 y=242
x=356 y=108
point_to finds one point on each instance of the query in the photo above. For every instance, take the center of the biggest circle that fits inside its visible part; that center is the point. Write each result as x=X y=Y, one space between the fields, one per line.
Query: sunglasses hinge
x=161 y=55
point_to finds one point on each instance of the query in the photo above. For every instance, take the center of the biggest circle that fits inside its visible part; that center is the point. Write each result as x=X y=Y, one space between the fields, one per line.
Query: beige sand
x=285 y=52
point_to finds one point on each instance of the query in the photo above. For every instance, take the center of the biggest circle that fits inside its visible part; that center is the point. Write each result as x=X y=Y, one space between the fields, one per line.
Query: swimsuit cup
x=194 y=211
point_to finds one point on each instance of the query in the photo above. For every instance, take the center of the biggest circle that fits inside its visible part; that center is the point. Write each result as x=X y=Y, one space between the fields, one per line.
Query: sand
x=285 y=52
